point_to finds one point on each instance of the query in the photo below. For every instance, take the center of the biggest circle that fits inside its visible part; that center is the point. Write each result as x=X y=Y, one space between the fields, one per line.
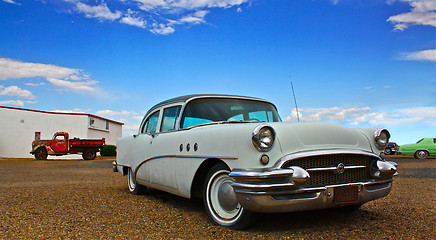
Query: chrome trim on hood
x=285 y=159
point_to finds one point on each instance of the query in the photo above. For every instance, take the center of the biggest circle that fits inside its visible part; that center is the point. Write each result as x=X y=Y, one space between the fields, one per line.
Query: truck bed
x=86 y=143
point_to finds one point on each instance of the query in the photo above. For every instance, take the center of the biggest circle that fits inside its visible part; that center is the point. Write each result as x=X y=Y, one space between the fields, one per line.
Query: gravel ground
x=75 y=199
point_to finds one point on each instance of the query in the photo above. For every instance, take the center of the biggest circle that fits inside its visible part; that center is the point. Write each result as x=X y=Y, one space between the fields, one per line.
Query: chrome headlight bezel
x=263 y=138
x=381 y=138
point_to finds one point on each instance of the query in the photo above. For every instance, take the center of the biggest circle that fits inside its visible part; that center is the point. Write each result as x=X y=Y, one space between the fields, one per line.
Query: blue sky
x=368 y=63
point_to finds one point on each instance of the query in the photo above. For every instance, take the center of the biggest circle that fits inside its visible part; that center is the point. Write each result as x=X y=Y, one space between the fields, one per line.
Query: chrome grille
x=323 y=178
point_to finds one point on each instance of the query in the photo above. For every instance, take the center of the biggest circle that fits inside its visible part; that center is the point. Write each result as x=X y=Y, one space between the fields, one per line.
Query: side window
x=151 y=123
x=434 y=140
x=169 y=120
x=60 y=137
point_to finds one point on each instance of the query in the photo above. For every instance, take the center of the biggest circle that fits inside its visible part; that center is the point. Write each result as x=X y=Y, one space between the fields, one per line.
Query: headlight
x=263 y=138
x=381 y=138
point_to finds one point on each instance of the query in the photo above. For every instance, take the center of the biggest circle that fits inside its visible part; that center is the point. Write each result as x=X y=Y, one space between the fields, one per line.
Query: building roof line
x=63 y=113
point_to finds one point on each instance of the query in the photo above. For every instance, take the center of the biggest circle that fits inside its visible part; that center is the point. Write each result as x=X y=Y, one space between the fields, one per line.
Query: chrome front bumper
x=309 y=198
x=284 y=190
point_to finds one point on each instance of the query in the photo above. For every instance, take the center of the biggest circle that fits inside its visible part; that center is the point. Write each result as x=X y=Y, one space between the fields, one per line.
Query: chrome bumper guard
x=114 y=166
x=283 y=190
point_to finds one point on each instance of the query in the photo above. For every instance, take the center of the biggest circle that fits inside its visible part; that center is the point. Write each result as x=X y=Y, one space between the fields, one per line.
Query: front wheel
x=134 y=187
x=41 y=153
x=220 y=200
x=89 y=154
x=421 y=154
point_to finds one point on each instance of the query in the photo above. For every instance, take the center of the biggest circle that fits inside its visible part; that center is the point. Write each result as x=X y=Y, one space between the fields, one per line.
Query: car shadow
x=275 y=222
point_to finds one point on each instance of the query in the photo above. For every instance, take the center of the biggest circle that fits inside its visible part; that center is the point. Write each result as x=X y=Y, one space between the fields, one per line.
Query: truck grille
x=329 y=177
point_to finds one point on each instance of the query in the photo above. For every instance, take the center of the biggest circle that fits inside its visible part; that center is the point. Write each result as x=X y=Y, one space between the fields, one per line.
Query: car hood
x=295 y=137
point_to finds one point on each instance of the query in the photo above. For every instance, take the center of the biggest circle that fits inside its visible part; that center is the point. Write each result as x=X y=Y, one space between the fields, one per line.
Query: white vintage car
x=237 y=154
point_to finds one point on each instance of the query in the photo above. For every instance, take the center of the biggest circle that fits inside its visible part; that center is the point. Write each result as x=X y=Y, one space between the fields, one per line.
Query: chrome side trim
x=298 y=155
x=184 y=156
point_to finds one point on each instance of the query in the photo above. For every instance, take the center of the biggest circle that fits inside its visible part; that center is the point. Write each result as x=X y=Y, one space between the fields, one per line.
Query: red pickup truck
x=61 y=145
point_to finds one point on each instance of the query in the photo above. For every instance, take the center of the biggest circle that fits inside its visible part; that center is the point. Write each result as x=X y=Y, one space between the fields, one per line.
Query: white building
x=19 y=127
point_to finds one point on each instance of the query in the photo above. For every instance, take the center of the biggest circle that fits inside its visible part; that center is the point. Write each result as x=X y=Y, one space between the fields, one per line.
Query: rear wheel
x=134 y=187
x=41 y=153
x=421 y=154
x=89 y=154
x=220 y=200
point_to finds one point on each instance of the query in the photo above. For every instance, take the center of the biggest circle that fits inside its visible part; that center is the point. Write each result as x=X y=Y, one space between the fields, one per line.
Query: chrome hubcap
x=227 y=197
x=221 y=198
x=421 y=154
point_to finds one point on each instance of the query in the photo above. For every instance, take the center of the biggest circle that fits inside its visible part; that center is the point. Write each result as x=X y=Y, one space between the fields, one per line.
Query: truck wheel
x=134 y=187
x=220 y=200
x=89 y=154
x=41 y=153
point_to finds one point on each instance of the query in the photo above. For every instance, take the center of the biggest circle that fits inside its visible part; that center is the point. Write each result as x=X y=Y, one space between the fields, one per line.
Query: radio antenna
x=295 y=100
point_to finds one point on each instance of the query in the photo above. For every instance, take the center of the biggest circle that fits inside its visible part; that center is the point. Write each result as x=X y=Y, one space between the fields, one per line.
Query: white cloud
x=58 y=76
x=425 y=55
x=423 y=12
x=162 y=29
x=16 y=91
x=357 y=116
x=187 y=4
x=115 y=113
x=101 y=12
x=84 y=85
x=11 y=2
x=194 y=18
x=35 y=84
x=134 y=21
x=157 y=16
x=15 y=102
x=75 y=110
x=138 y=118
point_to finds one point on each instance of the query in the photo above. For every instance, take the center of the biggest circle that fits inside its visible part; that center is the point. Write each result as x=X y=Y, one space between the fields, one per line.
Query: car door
x=59 y=144
x=161 y=166
x=142 y=150
x=432 y=151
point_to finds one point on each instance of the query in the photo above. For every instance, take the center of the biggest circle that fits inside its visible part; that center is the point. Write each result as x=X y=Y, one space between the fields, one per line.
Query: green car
x=421 y=150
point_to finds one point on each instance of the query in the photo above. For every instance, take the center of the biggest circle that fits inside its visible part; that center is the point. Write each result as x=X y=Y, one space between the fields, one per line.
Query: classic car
x=237 y=154
x=421 y=149
x=391 y=149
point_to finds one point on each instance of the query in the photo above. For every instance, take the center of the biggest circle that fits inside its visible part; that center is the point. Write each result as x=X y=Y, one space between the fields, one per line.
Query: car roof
x=186 y=98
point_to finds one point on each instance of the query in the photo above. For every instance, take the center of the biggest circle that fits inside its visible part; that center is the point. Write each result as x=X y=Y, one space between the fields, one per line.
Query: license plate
x=346 y=195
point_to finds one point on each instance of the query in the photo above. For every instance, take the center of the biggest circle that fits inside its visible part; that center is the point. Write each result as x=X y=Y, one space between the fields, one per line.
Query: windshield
x=209 y=110
x=420 y=140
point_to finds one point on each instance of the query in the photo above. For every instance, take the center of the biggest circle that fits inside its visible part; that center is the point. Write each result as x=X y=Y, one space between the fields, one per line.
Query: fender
x=43 y=144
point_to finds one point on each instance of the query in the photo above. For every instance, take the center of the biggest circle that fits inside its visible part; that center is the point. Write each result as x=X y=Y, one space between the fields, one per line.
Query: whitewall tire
x=134 y=187
x=220 y=200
